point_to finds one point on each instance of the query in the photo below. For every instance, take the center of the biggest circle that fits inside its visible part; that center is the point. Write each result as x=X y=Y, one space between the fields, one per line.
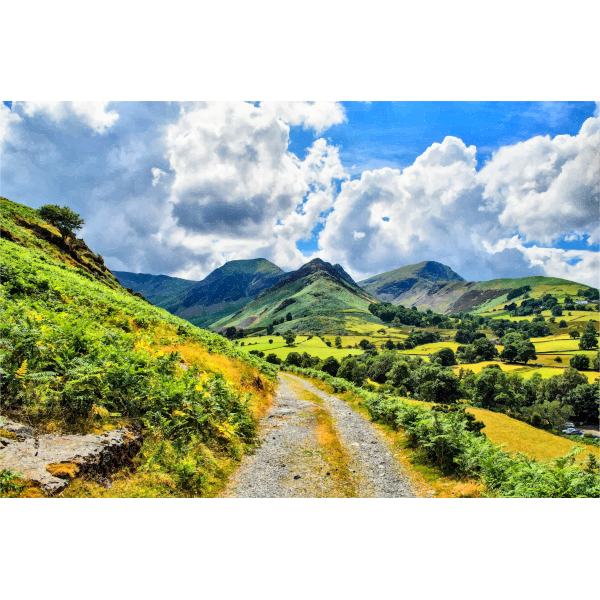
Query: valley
x=310 y=355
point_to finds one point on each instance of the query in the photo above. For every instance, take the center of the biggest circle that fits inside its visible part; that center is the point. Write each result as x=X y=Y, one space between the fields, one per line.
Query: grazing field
x=521 y=437
x=314 y=346
x=557 y=345
x=547 y=372
x=477 y=367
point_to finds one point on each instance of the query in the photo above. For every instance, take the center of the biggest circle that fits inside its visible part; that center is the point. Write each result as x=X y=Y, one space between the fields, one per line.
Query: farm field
x=431 y=348
x=313 y=346
x=521 y=437
x=547 y=372
x=477 y=367
x=557 y=345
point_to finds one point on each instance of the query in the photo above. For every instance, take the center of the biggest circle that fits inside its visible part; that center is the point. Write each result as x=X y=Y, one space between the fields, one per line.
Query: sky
x=491 y=189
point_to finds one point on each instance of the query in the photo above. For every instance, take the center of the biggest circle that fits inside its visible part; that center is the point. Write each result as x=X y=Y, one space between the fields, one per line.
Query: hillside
x=225 y=291
x=158 y=289
x=81 y=355
x=407 y=284
x=477 y=296
x=320 y=297
x=437 y=287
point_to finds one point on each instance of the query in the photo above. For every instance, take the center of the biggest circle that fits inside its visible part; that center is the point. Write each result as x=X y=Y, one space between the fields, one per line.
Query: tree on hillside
x=63 y=218
x=562 y=324
x=574 y=334
x=556 y=311
x=581 y=362
x=288 y=317
x=270 y=329
x=338 y=342
x=445 y=356
x=331 y=366
x=273 y=359
x=588 y=339
x=270 y=341
x=290 y=338
x=230 y=332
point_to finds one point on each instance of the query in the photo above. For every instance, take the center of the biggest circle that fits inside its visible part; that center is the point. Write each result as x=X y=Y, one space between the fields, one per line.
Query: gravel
x=319 y=449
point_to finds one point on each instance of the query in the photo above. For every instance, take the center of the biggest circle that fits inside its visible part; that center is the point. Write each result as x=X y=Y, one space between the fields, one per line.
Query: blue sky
x=393 y=134
x=180 y=188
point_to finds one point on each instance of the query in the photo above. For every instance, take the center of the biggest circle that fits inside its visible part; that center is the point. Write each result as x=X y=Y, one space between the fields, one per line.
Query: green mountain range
x=322 y=298
x=224 y=291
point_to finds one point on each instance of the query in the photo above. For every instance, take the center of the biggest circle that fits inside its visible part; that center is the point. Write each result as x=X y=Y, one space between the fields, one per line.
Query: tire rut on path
x=315 y=446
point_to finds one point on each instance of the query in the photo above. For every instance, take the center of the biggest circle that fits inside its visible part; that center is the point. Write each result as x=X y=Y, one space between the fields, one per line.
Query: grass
x=477 y=367
x=547 y=372
x=521 y=437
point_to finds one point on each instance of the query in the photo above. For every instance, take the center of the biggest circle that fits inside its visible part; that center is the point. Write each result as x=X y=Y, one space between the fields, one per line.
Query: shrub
x=581 y=362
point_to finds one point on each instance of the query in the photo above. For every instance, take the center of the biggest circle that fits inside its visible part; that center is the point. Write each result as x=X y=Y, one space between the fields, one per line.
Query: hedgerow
x=447 y=438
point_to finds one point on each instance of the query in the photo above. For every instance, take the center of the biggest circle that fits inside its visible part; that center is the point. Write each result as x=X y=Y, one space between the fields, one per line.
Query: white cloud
x=236 y=181
x=547 y=188
x=92 y=114
x=311 y=115
x=7 y=118
x=441 y=209
x=157 y=175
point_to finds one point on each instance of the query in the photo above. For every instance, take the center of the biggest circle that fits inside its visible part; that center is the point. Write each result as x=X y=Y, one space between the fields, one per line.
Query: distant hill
x=407 y=284
x=320 y=297
x=158 y=289
x=436 y=286
x=476 y=296
x=224 y=291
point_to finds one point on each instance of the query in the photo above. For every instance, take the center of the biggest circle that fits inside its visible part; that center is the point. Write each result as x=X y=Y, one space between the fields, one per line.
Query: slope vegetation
x=319 y=296
x=80 y=354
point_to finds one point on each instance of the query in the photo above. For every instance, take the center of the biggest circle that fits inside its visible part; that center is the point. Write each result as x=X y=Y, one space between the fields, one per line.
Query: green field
x=547 y=372
x=313 y=346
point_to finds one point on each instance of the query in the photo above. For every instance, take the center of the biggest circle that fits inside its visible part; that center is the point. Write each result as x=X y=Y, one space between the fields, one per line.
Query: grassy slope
x=76 y=345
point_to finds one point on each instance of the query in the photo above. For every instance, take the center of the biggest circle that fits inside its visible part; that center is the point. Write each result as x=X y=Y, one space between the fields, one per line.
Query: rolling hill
x=321 y=298
x=407 y=284
x=436 y=286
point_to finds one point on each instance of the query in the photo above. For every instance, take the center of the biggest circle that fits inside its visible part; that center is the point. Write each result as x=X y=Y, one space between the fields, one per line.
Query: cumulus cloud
x=92 y=114
x=179 y=190
x=311 y=115
x=440 y=208
x=7 y=118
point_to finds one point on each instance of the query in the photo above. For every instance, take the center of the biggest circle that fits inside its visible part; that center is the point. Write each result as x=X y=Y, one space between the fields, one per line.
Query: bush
x=273 y=359
x=445 y=356
x=581 y=362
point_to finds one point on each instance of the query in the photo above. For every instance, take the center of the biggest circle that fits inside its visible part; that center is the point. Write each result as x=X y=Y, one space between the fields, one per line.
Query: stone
x=37 y=458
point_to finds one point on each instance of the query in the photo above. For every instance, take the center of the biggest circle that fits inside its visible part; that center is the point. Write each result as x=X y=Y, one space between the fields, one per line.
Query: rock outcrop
x=50 y=461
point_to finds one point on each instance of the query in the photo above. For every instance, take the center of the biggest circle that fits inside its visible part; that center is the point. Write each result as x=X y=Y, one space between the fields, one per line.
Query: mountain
x=321 y=298
x=158 y=289
x=225 y=291
x=407 y=284
x=436 y=286
x=475 y=296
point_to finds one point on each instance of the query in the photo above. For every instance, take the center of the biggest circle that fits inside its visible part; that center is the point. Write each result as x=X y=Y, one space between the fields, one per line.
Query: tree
x=437 y=384
x=63 y=218
x=525 y=352
x=585 y=400
x=273 y=359
x=294 y=358
x=509 y=353
x=270 y=341
x=338 y=341
x=270 y=329
x=581 y=362
x=574 y=334
x=353 y=371
x=562 y=324
x=230 y=332
x=556 y=311
x=380 y=365
x=288 y=317
x=331 y=366
x=484 y=349
x=400 y=375
x=588 y=339
x=289 y=337
x=445 y=356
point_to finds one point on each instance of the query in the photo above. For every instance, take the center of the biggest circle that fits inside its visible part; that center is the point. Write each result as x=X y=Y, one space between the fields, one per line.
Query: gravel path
x=316 y=446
